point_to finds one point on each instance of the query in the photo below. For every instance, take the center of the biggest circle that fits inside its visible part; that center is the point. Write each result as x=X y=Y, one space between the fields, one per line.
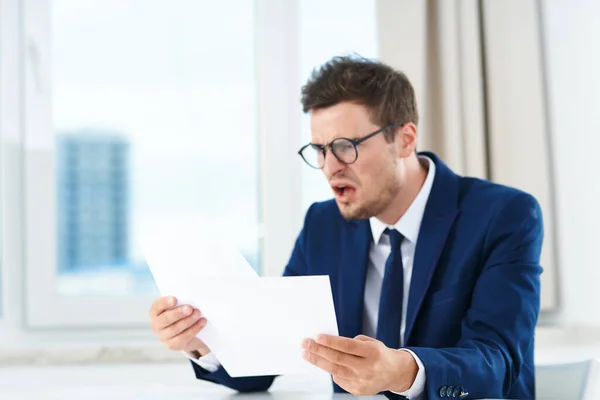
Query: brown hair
x=387 y=93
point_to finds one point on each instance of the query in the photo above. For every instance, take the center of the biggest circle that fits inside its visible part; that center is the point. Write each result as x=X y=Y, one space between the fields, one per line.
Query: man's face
x=366 y=187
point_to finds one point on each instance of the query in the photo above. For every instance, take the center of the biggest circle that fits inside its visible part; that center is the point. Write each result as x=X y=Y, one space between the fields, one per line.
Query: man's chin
x=352 y=212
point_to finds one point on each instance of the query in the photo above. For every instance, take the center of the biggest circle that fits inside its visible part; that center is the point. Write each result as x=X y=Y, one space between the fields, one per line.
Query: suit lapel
x=356 y=241
x=440 y=212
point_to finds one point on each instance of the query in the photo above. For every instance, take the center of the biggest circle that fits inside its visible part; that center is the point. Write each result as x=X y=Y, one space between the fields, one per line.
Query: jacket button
x=442 y=391
x=456 y=392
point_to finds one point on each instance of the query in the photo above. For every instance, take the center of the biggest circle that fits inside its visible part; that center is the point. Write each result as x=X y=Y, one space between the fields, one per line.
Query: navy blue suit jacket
x=475 y=289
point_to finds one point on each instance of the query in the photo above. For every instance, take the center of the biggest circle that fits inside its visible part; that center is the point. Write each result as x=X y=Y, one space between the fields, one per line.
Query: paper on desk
x=181 y=259
x=264 y=321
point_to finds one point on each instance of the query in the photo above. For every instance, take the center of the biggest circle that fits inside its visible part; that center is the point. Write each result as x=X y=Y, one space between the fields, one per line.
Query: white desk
x=145 y=382
x=171 y=393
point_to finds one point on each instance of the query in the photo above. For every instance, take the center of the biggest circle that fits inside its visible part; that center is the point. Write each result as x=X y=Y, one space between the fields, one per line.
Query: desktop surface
x=146 y=382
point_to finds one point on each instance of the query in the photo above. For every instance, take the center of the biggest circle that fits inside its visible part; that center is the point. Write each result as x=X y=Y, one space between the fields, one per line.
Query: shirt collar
x=409 y=224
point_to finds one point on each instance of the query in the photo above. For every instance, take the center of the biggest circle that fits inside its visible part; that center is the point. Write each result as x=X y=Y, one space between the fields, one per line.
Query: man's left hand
x=362 y=366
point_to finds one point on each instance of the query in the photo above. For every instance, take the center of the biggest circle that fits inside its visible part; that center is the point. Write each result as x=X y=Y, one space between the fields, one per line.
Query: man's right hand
x=177 y=327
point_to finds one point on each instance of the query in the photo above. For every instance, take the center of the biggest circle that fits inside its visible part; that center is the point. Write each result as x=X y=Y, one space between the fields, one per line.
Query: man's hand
x=362 y=366
x=177 y=327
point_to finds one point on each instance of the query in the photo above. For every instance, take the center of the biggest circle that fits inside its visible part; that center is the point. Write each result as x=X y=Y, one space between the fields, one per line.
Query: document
x=255 y=324
x=266 y=319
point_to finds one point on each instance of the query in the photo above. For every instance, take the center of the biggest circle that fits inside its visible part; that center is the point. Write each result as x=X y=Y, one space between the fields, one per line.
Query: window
x=327 y=29
x=137 y=113
x=153 y=120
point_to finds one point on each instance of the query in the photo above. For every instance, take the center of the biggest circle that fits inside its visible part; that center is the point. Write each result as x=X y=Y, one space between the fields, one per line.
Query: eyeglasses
x=345 y=150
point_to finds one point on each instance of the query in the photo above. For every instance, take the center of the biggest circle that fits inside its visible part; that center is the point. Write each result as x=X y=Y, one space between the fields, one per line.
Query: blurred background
x=119 y=116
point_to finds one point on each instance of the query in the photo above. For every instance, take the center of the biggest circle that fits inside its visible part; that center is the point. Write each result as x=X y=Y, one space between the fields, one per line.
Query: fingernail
x=171 y=301
x=187 y=310
x=305 y=343
x=197 y=314
x=202 y=323
x=305 y=355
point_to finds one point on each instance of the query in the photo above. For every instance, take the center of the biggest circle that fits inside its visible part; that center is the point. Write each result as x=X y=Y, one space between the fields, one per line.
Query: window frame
x=11 y=169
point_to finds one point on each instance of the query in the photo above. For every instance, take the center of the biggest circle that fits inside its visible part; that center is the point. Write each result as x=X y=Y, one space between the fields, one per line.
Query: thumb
x=364 y=338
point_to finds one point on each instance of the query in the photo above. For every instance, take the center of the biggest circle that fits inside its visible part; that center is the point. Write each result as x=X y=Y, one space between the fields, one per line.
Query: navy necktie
x=392 y=288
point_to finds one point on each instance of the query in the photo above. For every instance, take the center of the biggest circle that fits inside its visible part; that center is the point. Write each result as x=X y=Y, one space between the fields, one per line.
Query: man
x=435 y=277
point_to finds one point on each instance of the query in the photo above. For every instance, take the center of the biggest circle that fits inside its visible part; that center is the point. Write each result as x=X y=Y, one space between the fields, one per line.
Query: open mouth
x=343 y=192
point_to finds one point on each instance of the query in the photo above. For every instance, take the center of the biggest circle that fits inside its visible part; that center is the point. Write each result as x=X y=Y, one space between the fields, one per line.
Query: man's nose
x=332 y=165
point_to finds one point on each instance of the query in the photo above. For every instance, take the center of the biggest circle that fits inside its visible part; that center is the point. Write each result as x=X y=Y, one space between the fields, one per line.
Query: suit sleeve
x=498 y=330
x=295 y=267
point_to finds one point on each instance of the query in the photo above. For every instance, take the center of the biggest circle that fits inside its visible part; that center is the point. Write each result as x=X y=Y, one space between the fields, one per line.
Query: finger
x=331 y=355
x=173 y=316
x=364 y=338
x=177 y=328
x=326 y=365
x=162 y=304
x=180 y=341
x=345 y=345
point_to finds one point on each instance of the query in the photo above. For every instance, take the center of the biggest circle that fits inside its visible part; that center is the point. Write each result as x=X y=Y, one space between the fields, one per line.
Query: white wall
x=573 y=61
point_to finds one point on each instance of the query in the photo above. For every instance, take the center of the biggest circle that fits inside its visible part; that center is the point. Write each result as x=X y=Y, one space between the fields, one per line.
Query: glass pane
x=328 y=29
x=148 y=99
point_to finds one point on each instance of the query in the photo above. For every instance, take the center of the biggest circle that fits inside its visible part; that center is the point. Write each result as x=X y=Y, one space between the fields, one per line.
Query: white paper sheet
x=181 y=258
x=255 y=325
x=266 y=319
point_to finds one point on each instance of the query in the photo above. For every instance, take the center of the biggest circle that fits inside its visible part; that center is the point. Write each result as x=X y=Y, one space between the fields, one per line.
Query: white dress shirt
x=408 y=225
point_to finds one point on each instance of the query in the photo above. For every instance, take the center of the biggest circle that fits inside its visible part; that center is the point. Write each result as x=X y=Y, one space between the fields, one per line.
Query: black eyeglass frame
x=355 y=143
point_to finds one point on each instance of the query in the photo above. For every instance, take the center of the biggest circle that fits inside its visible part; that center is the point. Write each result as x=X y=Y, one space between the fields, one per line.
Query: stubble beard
x=375 y=205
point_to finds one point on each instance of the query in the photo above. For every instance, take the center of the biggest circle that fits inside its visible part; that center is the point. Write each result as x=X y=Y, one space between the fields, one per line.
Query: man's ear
x=406 y=139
